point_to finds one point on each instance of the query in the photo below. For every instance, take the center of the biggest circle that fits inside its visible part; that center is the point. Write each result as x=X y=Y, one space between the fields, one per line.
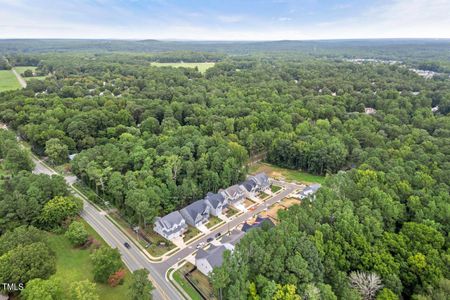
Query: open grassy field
x=8 y=81
x=287 y=174
x=74 y=265
x=202 y=67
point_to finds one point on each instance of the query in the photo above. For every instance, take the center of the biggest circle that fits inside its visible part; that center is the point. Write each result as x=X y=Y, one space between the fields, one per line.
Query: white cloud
x=82 y=19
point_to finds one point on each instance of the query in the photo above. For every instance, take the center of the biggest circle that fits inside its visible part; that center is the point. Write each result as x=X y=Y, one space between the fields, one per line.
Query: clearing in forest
x=202 y=67
x=286 y=174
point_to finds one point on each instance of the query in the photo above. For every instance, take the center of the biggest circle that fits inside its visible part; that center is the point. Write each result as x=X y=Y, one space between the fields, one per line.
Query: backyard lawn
x=8 y=81
x=75 y=265
x=185 y=285
x=287 y=174
x=202 y=67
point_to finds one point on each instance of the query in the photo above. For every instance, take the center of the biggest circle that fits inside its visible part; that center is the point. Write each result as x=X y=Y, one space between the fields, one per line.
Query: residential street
x=133 y=257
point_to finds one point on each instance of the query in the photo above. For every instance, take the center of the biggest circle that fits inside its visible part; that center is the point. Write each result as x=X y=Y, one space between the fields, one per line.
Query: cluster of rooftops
x=197 y=213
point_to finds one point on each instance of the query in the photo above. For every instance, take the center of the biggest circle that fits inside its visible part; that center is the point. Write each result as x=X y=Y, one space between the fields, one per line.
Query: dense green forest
x=153 y=139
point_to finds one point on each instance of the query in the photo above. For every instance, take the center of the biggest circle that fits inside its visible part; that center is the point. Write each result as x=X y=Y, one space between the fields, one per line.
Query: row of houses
x=196 y=214
x=207 y=260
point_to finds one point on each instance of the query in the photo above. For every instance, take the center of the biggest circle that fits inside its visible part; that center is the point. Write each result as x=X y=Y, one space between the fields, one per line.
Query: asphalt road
x=180 y=255
x=133 y=258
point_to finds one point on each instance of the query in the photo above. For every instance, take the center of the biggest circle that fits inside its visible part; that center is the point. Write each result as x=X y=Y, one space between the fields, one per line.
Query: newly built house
x=234 y=194
x=197 y=213
x=254 y=184
x=170 y=226
x=216 y=203
x=206 y=260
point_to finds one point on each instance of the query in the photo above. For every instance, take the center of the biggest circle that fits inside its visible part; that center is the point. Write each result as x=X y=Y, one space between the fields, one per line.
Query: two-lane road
x=133 y=257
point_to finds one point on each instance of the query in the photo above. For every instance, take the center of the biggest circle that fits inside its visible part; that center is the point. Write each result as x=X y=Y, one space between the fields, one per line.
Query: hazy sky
x=225 y=19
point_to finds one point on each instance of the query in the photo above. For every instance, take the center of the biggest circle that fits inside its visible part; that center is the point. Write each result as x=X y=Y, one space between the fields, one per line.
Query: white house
x=216 y=203
x=170 y=226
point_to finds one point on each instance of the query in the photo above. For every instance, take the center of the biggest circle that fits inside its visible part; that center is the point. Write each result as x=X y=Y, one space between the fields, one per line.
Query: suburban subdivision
x=224 y=150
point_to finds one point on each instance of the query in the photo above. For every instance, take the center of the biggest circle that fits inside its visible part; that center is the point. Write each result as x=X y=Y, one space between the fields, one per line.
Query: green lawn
x=8 y=81
x=190 y=233
x=202 y=67
x=186 y=286
x=230 y=212
x=288 y=174
x=275 y=188
x=213 y=221
x=75 y=265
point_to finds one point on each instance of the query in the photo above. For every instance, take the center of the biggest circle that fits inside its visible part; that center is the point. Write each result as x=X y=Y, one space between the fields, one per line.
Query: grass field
x=8 y=81
x=287 y=174
x=75 y=265
x=20 y=70
x=178 y=277
x=202 y=67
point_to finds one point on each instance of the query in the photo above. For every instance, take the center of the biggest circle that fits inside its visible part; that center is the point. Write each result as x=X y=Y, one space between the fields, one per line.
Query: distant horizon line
x=225 y=41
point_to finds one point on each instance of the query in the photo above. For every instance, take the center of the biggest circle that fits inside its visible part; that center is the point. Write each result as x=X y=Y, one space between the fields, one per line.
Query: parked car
x=128 y=246
x=209 y=240
x=218 y=234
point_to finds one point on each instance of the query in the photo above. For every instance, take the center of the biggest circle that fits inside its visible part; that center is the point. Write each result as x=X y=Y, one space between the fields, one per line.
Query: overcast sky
x=225 y=19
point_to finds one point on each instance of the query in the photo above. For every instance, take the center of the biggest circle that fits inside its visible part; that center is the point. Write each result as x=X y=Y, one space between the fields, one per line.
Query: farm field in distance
x=202 y=67
x=288 y=174
x=22 y=69
x=8 y=81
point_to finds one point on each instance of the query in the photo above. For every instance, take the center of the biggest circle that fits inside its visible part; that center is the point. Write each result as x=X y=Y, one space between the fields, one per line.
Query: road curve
x=133 y=258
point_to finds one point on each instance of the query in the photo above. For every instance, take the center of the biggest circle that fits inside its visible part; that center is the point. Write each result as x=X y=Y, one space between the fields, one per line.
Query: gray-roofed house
x=257 y=183
x=233 y=238
x=309 y=191
x=262 y=181
x=206 y=260
x=249 y=186
x=196 y=214
x=216 y=203
x=234 y=194
x=170 y=226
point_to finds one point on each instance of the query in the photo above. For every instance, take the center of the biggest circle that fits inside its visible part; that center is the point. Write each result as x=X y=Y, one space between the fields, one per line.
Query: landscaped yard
x=287 y=174
x=213 y=220
x=247 y=203
x=275 y=188
x=231 y=212
x=185 y=285
x=75 y=265
x=263 y=196
x=202 y=66
x=158 y=245
x=8 y=81
x=190 y=233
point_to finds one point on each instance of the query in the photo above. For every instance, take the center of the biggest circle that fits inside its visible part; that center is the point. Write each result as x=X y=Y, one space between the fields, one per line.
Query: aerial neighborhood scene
x=212 y=150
